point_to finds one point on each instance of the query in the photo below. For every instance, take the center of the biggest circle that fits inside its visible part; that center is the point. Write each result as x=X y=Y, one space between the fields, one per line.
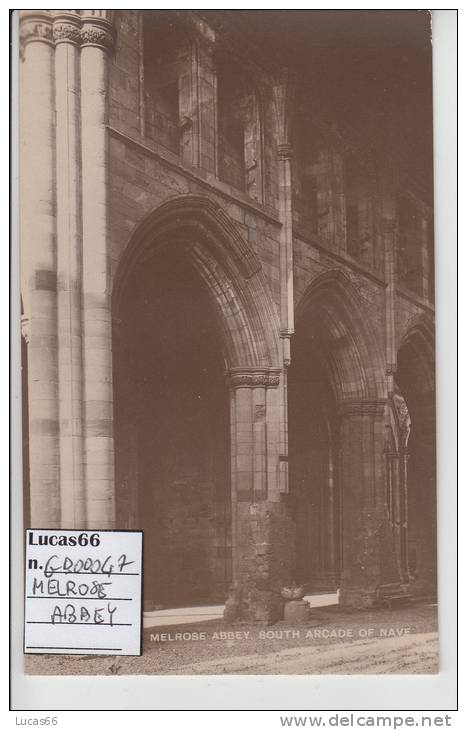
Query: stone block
x=296 y=612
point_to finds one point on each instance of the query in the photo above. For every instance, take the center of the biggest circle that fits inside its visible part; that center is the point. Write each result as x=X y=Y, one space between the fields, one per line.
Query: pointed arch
x=348 y=343
x=417 y=344
x=229 y=268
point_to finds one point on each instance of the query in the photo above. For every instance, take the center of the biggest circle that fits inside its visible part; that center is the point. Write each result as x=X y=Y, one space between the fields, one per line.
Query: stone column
x=422 y=486
x=366 y=562
x=331 y=556
x=283 y=94
x=404 y=515
x=396 y=487
x=399 y=484
x=286 y=240
x=389 y=231
x=262 y=531
x=39 y=261
x=97 y=41
x=66 y=33
x=287 y=310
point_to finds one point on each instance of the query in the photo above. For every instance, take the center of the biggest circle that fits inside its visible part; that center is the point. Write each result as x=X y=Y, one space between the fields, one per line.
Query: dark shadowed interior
x=172 y=433
x=313 y=466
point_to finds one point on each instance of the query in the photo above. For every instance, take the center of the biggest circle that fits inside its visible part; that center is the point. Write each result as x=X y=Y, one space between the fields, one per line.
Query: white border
x=293 y=693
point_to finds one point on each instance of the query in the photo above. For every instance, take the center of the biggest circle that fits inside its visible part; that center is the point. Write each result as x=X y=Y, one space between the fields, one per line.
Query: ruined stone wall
x=260 y=259
x=143 y=174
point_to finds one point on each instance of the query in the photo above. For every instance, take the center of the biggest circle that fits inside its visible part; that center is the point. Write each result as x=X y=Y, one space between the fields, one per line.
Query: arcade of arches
x=201 y=453
x=227 y=312
x=192 y=463
x=245 y=479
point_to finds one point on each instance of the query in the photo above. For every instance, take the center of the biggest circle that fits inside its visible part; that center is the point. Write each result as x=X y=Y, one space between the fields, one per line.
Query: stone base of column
x=264 y=562
x=369 y=561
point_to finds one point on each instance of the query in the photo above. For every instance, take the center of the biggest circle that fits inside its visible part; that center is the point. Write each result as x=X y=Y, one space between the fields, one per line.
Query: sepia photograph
x=228 y=341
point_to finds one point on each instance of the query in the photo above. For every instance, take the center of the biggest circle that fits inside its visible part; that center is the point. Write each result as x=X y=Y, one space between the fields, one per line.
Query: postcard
x=228 y=342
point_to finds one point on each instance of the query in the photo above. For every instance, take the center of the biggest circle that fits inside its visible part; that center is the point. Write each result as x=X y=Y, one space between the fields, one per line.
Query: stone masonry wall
x=100 y=177
x=143 y=175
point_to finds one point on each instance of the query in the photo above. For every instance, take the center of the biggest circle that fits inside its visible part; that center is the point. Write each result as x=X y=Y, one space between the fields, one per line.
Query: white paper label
x=83 y=592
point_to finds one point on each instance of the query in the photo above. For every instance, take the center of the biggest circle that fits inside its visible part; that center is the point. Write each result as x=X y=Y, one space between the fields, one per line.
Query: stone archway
x=336 y=442
x=415 y=377
x=229 y=268
x=199 y=459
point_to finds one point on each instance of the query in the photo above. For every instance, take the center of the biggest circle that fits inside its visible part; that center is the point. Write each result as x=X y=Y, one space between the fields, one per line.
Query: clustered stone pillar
x=65 y=265
x=39 y=262
x=287 y=295
x=367 y=561
x=66 y=33
x=401 y=516
x=421 y=483
x=330 y=535
x=404 y=516
x=389 y=233
x=262 y=530
x=286 y=241
x=283 y=97
x=395 y=456
x=97 y=40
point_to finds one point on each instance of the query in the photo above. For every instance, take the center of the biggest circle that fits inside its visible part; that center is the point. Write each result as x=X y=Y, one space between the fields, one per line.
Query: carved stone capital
x=67 y=28
x=364 y=407
x=93 y=35
x=35 y=26
x=253 y=377
x=97 y=29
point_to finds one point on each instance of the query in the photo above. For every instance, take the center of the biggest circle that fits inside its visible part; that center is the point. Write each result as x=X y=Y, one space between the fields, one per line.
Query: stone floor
x=403 y=640
x=198 y=614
